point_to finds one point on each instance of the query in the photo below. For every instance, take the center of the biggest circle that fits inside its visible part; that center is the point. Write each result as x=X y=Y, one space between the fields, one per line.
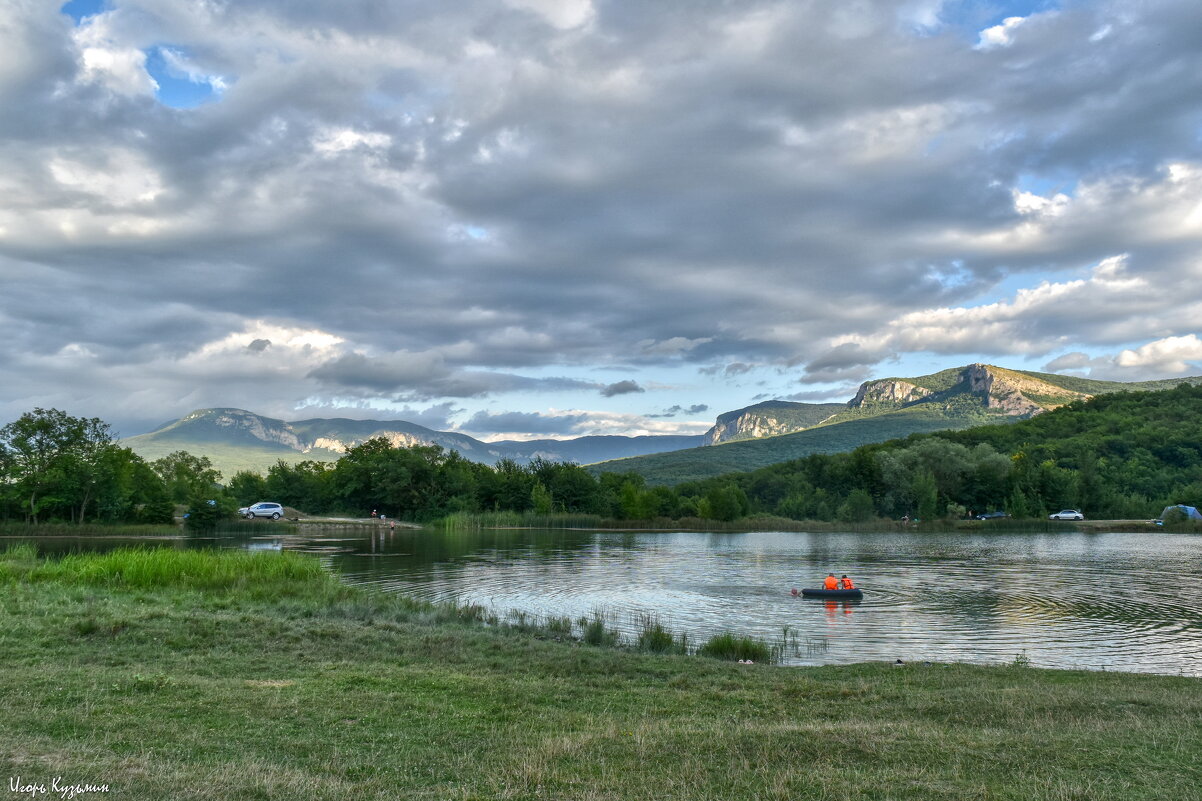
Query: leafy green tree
x=858 y=508
x=54 y=462
x=247 y=487
x=186 y=476
x=540 y=499
x=926 y=495
x=206 y=512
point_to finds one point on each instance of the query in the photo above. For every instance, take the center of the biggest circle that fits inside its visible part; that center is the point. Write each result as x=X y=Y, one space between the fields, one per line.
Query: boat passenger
x=831 y=583
x=845 y=583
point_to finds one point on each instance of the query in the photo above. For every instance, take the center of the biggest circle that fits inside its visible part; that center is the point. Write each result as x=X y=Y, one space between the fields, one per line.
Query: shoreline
x=288 y=684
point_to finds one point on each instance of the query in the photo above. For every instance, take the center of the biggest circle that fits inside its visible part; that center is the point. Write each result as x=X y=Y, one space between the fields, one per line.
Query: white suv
x=272 y=510
x=1067 y=514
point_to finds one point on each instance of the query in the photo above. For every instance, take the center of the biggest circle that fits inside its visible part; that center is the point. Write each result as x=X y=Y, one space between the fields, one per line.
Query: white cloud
x=1000 y=35
x=117 y=177
x=117 y=66
x=336 y=140
x=1168 y=355
x=562 y=14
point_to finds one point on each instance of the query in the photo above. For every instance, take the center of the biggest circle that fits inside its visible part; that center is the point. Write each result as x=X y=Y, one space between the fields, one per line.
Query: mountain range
x=882 y=409
x=742 y=439
x=236 y=439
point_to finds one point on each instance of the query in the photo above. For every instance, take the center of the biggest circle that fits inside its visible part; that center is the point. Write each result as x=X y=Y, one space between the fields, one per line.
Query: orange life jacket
x=831 y=583
x=845 y=584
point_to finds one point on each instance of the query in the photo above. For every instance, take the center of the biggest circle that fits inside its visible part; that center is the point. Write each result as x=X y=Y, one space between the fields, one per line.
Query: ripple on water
x=1068 y=600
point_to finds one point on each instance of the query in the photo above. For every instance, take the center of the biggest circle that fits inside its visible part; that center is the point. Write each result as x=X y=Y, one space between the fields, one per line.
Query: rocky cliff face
x=1008 y=392
x=258 y=427
x=769 y=419
x=747 y=426
x=956 y=393
x=1001 y=391
x=397 y=439
x=888 y=390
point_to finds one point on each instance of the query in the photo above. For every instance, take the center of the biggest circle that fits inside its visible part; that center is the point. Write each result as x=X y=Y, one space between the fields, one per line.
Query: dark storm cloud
x=621 y=388
x=487 y=189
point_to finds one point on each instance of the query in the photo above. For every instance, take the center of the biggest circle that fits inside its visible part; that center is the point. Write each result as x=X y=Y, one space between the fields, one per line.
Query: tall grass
x=734 y=647
x=148 y=568
x=16 y=528
x=653 y=637
x=473 y=521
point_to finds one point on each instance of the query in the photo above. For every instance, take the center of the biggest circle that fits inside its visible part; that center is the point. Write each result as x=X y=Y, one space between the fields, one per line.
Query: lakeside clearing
x=243 y=676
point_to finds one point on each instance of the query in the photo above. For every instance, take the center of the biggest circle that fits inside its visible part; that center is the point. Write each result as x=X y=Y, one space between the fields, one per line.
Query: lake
x=1113 y=601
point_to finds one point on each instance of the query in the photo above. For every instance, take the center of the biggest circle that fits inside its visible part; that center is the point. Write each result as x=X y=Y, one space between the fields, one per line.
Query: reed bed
x=16 y=528
x=148 y=568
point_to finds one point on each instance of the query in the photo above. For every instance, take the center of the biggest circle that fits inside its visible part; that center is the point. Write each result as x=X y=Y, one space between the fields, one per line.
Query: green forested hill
x=713 y=460
x=1121 y=455
x=883 y=409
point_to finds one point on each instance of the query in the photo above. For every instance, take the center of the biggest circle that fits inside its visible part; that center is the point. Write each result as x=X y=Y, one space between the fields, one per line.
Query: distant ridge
x=236 y=439
x=882 y=409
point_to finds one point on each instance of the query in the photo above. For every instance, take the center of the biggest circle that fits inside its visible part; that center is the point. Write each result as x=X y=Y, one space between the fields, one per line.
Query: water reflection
x=1096 y=601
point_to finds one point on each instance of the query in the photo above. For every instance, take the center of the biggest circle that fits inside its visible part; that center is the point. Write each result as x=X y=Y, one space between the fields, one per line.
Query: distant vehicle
x=991 y=515
x=272 y=510
x=1067 y=514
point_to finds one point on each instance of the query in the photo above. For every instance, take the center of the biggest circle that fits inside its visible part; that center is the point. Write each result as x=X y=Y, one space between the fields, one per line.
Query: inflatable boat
x=820 y=593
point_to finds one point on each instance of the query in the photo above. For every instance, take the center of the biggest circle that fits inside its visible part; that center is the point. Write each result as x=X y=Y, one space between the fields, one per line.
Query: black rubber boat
x=820 y=593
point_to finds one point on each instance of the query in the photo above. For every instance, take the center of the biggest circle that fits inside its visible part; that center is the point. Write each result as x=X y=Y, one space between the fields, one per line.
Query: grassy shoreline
x=18 y=530
x=252 y=676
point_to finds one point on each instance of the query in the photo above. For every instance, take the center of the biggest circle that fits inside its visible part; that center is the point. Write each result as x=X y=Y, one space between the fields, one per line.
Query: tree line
x=1124 y=455
x=56 y=467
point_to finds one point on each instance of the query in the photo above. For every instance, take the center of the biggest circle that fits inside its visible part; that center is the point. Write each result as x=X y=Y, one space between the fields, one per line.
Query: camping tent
x=1190 y=512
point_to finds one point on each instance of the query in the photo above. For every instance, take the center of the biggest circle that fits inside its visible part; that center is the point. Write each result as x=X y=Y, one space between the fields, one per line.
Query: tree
x=186 y=476
x=247 y=487
x=858 y=508
x=53 y=461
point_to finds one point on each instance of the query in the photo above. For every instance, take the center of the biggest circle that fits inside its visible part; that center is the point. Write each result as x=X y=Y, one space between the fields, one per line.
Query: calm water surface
x=1129 y=602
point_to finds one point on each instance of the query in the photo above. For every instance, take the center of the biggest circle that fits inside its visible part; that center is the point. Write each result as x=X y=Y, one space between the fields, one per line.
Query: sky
x=551 y=218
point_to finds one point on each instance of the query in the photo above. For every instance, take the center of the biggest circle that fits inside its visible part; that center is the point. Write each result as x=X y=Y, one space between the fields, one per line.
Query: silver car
x=272 y=510
x=1067 y=514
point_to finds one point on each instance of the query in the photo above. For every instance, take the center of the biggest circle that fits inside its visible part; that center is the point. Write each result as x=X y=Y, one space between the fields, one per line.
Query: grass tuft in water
x=732 y=647
x=595 y=631
x=655 y=638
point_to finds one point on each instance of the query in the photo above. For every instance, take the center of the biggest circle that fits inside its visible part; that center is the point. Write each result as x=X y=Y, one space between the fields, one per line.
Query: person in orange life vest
x=831 y=583
x=845 y=583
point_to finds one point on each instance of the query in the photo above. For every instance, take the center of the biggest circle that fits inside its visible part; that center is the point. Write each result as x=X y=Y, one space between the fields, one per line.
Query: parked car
x=272 y=510
x=991 y=515
x=1067 y=514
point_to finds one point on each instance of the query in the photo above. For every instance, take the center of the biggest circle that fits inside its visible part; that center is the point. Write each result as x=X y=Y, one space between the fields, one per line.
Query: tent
x=1190 y=512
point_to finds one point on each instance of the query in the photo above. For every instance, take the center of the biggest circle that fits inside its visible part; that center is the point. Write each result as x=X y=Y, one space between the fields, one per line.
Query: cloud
x=621 y=388
x=526 y=422
x=479 y=199
x=1170 y=357
x=427 y=375
x=673 y=411
x=1000 y=35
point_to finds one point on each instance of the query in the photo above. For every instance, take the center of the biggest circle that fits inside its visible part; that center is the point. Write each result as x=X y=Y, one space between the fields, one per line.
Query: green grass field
x=186 y=675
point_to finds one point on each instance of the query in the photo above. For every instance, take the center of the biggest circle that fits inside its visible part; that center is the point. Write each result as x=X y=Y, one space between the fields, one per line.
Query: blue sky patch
x=178 y=87
x=78 y=10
